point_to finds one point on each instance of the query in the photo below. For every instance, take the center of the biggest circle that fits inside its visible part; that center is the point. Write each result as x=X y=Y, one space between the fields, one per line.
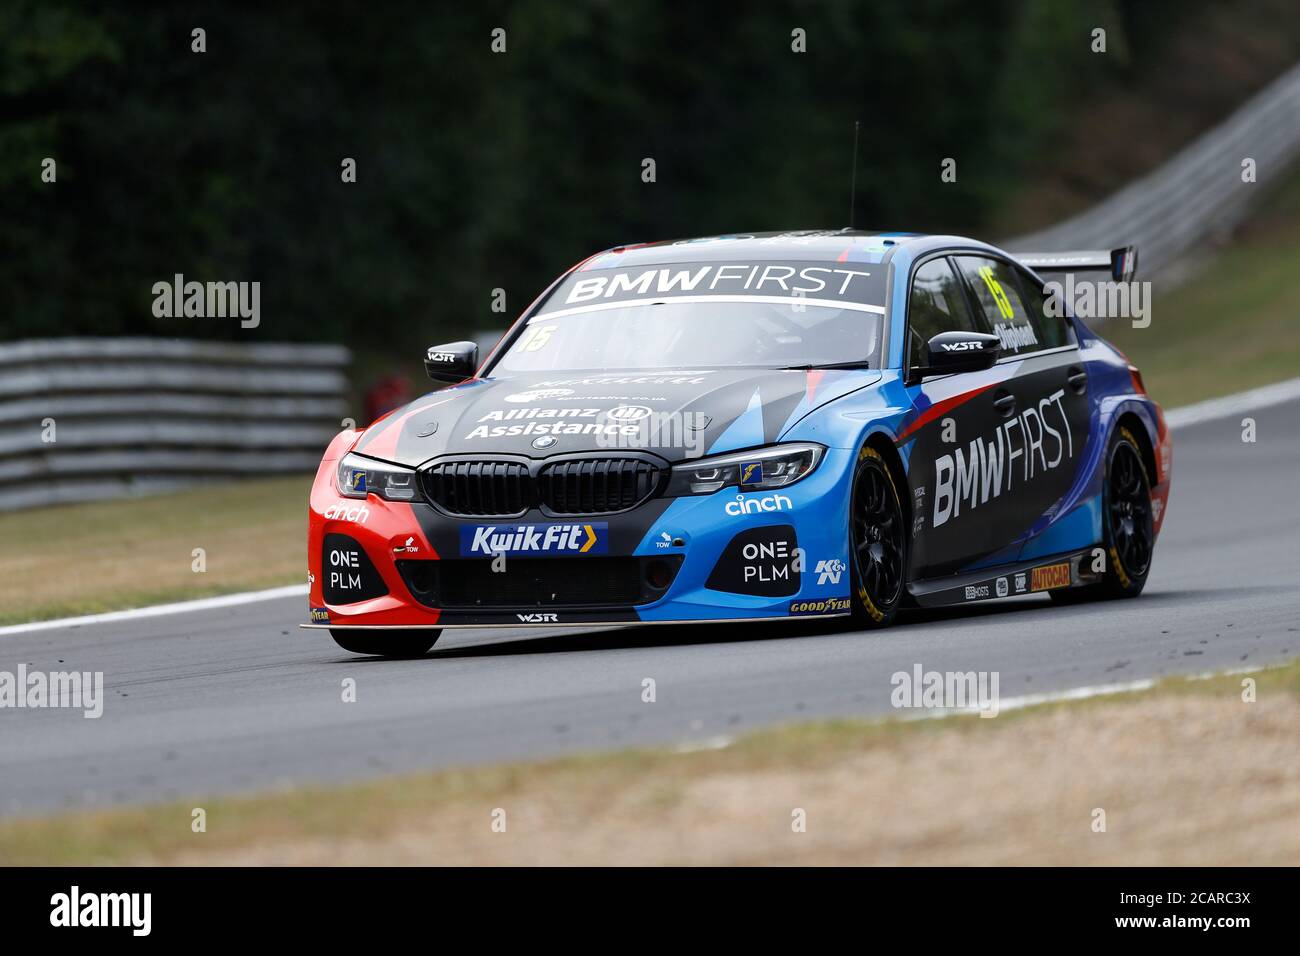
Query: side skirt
x=1070 y=570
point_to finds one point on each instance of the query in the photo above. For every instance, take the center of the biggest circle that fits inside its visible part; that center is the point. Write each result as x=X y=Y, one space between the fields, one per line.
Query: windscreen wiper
x=860 y=363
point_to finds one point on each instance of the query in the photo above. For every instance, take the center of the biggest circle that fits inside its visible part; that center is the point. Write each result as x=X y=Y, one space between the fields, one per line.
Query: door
x=1042 y=399
x=951 y=441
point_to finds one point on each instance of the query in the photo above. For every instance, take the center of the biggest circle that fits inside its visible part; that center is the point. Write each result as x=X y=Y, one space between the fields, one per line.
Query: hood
x=675 y=414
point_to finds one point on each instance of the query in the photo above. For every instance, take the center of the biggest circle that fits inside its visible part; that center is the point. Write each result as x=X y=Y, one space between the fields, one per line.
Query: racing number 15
x=536 y=337
x=998 y=293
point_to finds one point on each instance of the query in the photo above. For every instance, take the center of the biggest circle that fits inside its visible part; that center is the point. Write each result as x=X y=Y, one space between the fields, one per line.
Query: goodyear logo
x=320 y=615
x=487 y=540
x=751 y=472
x=825 y=606
x=1051 y=576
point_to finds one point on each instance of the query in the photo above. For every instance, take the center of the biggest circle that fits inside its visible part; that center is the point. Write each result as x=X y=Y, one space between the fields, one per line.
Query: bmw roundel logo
x=544 y=441
x=629 y=413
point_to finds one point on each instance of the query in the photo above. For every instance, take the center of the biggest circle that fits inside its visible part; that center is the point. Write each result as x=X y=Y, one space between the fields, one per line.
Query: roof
x=842 y=245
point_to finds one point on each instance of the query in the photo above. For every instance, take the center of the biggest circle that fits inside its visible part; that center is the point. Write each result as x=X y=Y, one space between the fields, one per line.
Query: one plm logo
x=829 y=571
x=538 y=540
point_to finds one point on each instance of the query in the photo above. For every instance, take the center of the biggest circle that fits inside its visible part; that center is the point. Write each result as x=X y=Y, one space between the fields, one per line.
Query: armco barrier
x=1196 y=196
x=138 y=415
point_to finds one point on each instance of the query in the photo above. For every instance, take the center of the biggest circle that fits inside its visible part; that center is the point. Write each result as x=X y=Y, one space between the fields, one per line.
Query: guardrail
x=84 y=419
x=1197 y=195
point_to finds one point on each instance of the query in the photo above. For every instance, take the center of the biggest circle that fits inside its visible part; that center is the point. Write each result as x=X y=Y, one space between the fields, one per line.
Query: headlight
x=764 y=468
x=359 y=476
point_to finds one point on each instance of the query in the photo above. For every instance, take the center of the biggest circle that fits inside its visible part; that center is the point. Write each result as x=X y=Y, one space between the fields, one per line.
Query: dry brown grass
x=1187 y=774
x=100 y=556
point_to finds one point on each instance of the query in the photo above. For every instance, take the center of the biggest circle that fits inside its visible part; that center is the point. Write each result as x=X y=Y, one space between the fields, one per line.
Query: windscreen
x=715 y=314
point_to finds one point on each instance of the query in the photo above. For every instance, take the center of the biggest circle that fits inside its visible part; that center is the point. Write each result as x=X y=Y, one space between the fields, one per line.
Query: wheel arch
x=1134 y=424
x=883 y=444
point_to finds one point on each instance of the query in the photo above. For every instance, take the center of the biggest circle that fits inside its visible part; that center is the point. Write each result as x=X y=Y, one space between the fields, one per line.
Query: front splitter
x=569 y=624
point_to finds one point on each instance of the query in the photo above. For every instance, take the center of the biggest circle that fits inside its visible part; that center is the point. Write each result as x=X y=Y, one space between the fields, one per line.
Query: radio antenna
x=853 y=183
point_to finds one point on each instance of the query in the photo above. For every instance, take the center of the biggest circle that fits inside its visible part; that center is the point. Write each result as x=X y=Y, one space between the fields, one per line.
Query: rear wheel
x=1128 y=526
x=412 y=643
x=878 y=539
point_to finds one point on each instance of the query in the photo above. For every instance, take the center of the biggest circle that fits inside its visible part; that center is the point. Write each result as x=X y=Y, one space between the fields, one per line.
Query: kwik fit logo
x=489 y=540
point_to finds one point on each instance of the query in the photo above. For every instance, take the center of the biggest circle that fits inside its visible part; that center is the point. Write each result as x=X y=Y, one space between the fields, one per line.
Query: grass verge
x=1186 y=773
x=102 y=556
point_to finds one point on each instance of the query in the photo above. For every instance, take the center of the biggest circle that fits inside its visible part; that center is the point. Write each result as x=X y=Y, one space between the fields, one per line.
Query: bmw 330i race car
x=750 y=427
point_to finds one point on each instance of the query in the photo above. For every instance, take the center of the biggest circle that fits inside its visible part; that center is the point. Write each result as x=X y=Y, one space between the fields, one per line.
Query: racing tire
x=878 y=543
x=1128 y=526
x=400 y=644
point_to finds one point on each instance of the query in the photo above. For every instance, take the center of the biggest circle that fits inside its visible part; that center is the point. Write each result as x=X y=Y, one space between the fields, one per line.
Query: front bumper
x=728 y=556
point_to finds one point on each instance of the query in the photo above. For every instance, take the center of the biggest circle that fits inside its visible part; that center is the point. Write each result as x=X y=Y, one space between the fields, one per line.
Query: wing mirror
x=950 y=352
x=451 y=363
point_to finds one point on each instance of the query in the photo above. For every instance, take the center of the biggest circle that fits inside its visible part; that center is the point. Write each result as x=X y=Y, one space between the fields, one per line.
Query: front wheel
x=412 y=643
x=878 y=539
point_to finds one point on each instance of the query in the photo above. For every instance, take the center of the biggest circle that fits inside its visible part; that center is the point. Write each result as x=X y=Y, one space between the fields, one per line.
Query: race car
x=751 y=427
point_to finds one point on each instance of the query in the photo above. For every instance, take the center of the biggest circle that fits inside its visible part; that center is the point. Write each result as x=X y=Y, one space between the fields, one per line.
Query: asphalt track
x=241 y=699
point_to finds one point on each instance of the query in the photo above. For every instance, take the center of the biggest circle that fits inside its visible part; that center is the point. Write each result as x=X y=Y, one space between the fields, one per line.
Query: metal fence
x=84 y=419
x=1195 y=197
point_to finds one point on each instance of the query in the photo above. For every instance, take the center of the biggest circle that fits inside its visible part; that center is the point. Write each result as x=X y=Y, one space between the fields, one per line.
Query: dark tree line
x=477 y=170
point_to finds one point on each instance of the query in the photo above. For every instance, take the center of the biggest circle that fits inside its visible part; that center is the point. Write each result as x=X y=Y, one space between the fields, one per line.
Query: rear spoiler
x=1121 y=263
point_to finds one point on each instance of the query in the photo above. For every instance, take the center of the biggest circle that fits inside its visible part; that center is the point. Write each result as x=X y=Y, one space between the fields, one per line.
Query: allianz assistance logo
x=489 y=540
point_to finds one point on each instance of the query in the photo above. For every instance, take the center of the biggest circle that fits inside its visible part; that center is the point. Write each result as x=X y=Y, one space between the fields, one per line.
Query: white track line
x=157 y=610
x=1033 y=700
x=1214 y=408
x=1230 y=405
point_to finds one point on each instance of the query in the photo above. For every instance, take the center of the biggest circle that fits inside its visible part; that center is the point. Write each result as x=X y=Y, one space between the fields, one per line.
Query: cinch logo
x=490 y=540
x=539 y=618
x=1051 y=576
x=753 y=506
x=342 y=512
